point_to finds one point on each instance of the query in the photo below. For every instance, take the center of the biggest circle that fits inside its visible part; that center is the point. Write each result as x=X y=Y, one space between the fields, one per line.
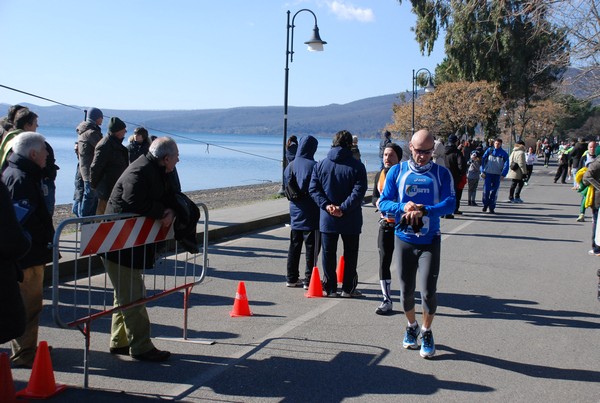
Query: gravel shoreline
x=214 y=198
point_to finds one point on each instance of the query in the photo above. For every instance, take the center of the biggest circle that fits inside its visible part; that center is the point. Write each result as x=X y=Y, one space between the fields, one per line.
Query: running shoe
x=581 y=218
x=385 y=308
x=518 y=200
x=351 y=294
x=427 y=344
x=293 y=284
x=411 y=337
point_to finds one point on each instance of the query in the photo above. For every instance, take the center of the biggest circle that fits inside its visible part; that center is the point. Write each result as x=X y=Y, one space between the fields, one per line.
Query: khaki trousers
x=32 y=289
x=130 y=327
x=101 y=207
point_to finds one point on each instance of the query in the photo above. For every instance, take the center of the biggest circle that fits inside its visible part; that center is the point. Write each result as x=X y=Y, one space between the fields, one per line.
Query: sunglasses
x=423 y=152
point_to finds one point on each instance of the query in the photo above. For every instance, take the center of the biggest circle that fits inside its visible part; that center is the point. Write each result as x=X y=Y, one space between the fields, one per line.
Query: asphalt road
x=518 y=321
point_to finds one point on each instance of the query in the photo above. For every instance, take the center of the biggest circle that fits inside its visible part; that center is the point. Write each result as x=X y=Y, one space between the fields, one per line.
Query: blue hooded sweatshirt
x=304 y=213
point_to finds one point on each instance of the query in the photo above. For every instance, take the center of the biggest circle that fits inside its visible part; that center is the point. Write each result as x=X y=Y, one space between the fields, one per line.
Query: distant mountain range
x=365 y=118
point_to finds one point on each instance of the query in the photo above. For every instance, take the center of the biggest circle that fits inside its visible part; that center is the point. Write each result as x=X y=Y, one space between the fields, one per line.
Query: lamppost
x=315 y=44
x=429 y=88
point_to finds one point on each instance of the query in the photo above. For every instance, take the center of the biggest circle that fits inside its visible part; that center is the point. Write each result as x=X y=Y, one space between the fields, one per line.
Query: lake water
x=227 y=160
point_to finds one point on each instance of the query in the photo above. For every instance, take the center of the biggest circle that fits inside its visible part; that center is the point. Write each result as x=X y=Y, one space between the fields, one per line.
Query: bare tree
x=579 y=21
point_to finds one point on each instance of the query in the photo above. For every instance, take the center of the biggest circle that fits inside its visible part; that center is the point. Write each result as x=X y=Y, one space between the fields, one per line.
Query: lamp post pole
x=315 y=44
x=428 y=88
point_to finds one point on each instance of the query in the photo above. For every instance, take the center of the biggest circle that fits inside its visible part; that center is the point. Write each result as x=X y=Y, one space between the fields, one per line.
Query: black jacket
x=23 y=179
x=14 y=244
x=136 y=149
x=577 y=152
x=455 y=162
x=142 y=189
x=110 y=160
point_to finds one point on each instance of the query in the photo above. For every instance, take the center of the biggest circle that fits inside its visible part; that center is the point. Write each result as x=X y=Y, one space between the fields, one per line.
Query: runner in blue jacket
x=494 y=166
x=418 y=192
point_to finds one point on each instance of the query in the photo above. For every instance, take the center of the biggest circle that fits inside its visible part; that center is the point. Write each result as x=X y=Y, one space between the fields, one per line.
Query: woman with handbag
x=517 y=172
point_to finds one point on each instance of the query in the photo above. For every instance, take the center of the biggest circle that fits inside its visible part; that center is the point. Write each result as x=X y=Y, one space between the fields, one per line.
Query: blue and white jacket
x=430 y=185
x=494 y=161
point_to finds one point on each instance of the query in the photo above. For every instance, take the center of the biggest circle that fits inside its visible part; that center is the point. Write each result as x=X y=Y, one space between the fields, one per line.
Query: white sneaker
x=385 y=308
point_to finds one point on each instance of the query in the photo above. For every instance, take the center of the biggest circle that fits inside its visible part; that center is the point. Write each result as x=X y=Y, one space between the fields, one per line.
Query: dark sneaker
x=450 y=216
x=120 y=350
x=492 y=211
x=292 y=284
x=22 y=364
x=385 y=308
x=457 y=212
x=427 y=344
x=411 y=337
x=154 y=355
x=484 y=209
x=330 y=294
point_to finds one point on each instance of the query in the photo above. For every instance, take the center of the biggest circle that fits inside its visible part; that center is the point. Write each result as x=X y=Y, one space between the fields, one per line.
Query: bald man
x=418 y=192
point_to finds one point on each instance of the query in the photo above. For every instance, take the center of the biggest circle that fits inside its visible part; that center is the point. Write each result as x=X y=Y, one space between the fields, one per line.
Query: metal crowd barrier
x=81 y=289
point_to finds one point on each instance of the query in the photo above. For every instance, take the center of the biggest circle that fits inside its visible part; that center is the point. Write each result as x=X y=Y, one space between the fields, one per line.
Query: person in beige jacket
x=517 y=160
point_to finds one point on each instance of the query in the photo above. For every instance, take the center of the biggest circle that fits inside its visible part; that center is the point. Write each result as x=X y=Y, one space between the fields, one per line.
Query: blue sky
x=198 y=54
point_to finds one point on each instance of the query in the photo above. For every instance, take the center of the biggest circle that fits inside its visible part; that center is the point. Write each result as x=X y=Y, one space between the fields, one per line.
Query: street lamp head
x=430 y=87
x=315 y=44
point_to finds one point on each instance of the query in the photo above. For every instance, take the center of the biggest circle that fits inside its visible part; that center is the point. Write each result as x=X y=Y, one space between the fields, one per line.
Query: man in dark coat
x=89 y=134
x=110 y=160
x=338 y=185
x=14 y=244
x=23 y=178
x=144 y=188
x=456 y=163
x=304 y=214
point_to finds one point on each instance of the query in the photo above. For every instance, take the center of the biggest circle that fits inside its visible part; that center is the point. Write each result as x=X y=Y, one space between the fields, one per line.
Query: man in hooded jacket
x=304 y=214
x=338 y=186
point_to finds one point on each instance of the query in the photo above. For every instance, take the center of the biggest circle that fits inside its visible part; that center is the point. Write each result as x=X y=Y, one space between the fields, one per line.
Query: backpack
x=292 y=190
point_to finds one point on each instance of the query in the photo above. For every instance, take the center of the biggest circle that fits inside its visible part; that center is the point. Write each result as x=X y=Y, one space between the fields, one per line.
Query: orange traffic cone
x=41 y=382
x=240 y=305
x=7 y=387
x=315 y=288
x=340 y=269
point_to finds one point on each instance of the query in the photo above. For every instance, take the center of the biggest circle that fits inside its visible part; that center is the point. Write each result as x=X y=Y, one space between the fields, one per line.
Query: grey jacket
x=89 y=136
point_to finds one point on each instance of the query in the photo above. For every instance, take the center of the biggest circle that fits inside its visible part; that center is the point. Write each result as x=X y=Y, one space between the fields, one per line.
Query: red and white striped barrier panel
x=122 y=234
